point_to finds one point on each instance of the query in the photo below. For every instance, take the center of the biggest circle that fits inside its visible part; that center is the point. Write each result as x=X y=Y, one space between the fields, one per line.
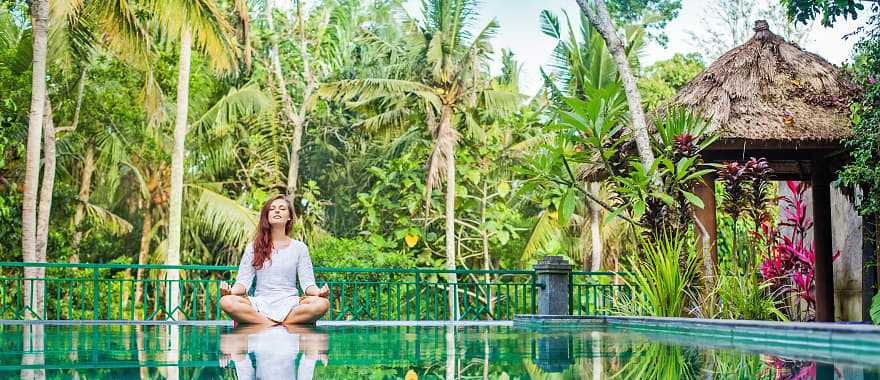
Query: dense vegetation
x=168 y=124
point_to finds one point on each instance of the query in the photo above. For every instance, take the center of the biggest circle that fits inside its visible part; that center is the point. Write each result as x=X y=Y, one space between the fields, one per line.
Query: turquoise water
x=394 y=352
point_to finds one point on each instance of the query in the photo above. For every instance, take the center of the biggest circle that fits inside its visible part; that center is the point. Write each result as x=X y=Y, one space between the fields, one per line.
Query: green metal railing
x=111 y=292
x=597 y=293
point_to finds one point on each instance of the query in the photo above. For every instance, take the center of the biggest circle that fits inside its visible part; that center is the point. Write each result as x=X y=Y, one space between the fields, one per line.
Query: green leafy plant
x=745 y=296
x=663 y=278
x=875 y=309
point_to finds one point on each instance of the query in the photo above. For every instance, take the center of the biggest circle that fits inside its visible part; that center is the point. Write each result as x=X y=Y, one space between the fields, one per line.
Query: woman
x=276 y=261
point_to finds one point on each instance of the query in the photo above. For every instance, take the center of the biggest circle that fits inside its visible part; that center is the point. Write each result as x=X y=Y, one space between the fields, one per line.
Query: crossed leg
x=309 y=310
x=241 y=310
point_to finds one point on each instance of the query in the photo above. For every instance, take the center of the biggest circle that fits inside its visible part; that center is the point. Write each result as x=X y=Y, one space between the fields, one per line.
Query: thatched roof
x=769 y=89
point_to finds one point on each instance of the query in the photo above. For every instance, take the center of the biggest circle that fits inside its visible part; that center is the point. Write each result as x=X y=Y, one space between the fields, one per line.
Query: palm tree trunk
x=595 y=230
x=602 y=21
x=446 y=127
x=85 y=189
x=45 y=204
x=451 y=362
x=40 y=24
x=177 y=153
x=143 y=254
x=484 y=237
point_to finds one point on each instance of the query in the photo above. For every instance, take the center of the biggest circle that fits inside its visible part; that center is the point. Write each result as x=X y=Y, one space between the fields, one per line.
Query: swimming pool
x=395 y=351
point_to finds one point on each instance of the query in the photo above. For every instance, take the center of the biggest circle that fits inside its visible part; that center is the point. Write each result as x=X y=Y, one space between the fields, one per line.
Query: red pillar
x=824 y=270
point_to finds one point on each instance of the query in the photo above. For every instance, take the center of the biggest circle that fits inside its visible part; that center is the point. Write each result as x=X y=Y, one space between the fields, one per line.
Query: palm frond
x=549 y=24
x=103 y=218
x=123 y=30
x=547 y=229
x=364 y=90
x=9 y=30
x=212 y=33
x=237 y=104
x=499 y=102
x=223 y=217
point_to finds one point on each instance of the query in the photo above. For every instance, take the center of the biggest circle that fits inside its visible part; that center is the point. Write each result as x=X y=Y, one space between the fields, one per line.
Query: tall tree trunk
x=484 y=238
x=296 y=118
x=33 y=357
x=595 y=230
x=143 y=253
x=85 y=190
x=281 y=89
x=44 y=208
x=446 y=127
x=451 y=359
x=601 y=20
x=85 y=183
x=177 y=156
x=40 y=24
x=308 y=93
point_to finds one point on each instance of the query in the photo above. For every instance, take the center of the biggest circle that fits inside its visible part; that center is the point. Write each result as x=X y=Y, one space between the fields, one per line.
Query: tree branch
x=593 y=198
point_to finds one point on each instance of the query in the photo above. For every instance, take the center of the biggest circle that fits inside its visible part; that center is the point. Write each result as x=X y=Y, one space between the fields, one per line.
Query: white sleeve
x=246 y=270
x=304 y=269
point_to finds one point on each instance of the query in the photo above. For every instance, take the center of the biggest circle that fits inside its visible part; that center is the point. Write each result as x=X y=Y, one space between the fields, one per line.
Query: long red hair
x=263 y=239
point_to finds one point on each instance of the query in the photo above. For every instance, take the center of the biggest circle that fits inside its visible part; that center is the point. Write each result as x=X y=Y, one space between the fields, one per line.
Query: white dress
x=276 y=292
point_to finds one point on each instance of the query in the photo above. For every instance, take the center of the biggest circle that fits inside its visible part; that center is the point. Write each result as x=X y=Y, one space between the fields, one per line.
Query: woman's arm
x=306 y=275
x=245 y=276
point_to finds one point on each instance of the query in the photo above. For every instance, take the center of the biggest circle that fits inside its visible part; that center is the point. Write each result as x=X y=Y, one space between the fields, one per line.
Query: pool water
x=391 y=352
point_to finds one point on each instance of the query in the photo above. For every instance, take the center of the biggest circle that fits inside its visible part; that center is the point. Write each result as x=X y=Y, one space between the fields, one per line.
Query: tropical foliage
x=400 y=141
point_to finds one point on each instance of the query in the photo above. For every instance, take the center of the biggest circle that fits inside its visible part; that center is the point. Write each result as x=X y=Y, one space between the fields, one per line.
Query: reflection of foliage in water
x=735 y=365
x=661 y=361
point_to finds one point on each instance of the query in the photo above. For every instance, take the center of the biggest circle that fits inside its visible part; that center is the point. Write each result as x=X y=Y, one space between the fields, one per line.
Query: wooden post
x=707 y=217
x=824 y=271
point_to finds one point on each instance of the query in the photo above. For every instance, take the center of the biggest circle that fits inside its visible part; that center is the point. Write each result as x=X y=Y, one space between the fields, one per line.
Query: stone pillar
x=554 y=353
x=555 y=275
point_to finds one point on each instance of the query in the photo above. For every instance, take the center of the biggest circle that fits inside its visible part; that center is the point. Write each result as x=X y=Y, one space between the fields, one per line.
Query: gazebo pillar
x=707 y=217
x=823 y=270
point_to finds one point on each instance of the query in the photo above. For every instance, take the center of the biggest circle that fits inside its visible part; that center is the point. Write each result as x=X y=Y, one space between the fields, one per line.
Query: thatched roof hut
x=770 y=98
x=770 y=89
x=767 y=98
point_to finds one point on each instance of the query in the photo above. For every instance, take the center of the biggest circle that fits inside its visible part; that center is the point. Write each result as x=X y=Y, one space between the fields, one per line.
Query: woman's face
x=279 y=213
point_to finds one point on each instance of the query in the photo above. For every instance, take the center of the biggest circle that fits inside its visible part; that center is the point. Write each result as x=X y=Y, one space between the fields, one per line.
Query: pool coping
x=818 y=341
x=844 y=328
x=225 y=323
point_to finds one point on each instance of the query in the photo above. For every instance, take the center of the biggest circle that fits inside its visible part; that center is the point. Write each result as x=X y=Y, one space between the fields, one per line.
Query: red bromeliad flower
x=685 y=145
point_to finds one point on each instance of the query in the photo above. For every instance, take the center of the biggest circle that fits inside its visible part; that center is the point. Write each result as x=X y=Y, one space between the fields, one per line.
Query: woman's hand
x=324 y=291
x=224 y=289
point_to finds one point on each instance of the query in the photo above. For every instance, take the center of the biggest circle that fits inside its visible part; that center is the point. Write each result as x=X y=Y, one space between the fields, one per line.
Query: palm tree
x=443 y=57
x=133 y=157
x=214 y=38
x=71 y=28
x=40 y=33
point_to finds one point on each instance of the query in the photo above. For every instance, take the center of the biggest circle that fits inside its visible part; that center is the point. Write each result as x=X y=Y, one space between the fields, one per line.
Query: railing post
x=95 y=272
x=418 y=296
x=554 y=275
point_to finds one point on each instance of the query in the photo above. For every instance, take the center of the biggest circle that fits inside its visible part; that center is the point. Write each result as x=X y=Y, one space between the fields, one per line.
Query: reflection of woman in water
x=276 y=261
x=270 y=352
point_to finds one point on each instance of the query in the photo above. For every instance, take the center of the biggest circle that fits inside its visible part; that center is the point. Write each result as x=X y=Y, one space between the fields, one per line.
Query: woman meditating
x=276 y=261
